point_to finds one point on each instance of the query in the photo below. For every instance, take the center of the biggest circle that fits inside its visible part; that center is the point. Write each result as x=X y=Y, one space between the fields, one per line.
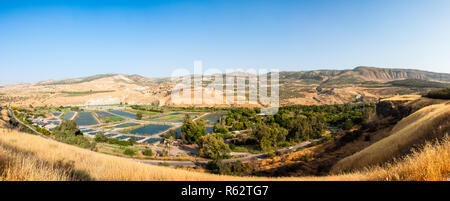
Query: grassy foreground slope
x=30 y=157
x=428 y=123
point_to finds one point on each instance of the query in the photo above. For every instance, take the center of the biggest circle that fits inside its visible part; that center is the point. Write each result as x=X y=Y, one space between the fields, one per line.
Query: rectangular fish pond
x=176 y=117
x=152 y=140
x=126 y=125
x=56 y=114
x=68 y=115
x=102 y=114
x=86 y=119
x=123 y=137
x=124 y=114
x=150 y=129
x=212 y=119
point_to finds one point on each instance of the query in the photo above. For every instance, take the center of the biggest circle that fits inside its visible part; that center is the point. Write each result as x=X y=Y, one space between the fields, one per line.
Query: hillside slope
x=430 y=122
x=33 y=158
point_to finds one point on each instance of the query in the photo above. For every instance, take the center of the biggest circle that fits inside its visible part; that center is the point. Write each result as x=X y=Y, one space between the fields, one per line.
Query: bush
x=129 y=152
x=100 y=138
x=147 y=152
x=119 y=142
x=229 y=168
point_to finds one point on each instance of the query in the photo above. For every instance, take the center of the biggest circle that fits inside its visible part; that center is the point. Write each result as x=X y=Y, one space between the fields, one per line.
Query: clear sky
x=41 y=40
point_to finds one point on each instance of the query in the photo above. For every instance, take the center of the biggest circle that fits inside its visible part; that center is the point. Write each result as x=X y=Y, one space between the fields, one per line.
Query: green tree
x=129 y=152
x=213 y=147
x=269 y=137
x=100 y=138
x=132 y=140
x=147 y=152
x=191 y=131
x=139 y=115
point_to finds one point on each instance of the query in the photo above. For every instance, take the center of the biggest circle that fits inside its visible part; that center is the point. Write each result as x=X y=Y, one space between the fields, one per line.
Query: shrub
x=129 y=152
x=100 y=138
x=147 y=152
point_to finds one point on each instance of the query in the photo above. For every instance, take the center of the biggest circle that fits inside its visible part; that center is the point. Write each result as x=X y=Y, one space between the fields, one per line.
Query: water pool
x=126 y=125
x=68 y=115
x=86 y=119
x=123 y=137
x=152 y=140
x=150 y=129
x=102 y=114
x=124 y=114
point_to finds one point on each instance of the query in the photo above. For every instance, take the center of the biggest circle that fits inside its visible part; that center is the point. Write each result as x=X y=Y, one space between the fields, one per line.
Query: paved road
x=23 y=124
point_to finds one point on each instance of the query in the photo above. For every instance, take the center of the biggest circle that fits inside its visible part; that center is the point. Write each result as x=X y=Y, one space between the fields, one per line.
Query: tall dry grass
x=19 y=166
x=26 y=157
x=427 y=123
x=430 y=163
x=97 y=166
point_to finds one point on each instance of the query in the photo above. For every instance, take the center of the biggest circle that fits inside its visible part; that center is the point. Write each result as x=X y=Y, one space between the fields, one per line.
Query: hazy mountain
x=302 y=87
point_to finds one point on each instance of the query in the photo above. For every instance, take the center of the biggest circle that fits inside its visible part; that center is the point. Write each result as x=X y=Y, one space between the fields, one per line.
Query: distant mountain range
x=302 y=87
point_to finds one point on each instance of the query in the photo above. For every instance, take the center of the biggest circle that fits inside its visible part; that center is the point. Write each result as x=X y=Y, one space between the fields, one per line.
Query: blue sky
x=41 y=40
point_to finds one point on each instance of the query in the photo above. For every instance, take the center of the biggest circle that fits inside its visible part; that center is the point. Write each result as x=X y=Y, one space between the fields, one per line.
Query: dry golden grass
x=403 y=98
x=427 y=123
x=20 y=166
x=98 y=166
x=431 y=163
x=30 y=157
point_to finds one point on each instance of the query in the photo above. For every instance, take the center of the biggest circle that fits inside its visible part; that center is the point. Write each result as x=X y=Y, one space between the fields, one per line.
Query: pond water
x=124 y=114
x=87 y=130
x=125 y=125
x=56 y=114
x=209 y=130
x=110 y=135
x=152 y=140
x=139 y=138
x=102 y=114
x=212 y=119
x=54 y=122
x=86 y=119
x=123 y=137
x=150 y=129
x=68 y=115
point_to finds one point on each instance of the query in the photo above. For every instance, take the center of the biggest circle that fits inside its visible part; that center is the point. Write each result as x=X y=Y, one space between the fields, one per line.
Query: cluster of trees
x=299 y=123
x=269 y=136
x=212 y=146
x=418 y=83
x=236 y=168
x=69 y=133
x=191 y=131
x=439 y=94
x=240 y=118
